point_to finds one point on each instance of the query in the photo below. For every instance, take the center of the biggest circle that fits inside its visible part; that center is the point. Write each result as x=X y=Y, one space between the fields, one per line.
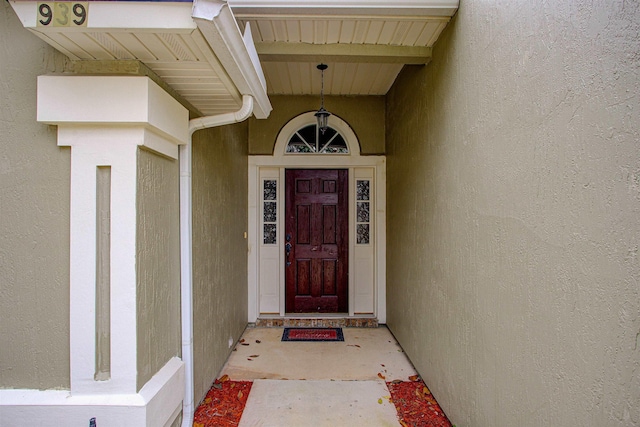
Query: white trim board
x=158 y=403
x=347 y=7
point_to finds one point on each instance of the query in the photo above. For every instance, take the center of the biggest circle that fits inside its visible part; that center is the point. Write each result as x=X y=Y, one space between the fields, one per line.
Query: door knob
x=287 y=248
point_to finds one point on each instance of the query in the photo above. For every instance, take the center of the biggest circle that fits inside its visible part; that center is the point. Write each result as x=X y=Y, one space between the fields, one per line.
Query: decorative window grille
x=309 y=140
x=363 y=211
x=269 y=211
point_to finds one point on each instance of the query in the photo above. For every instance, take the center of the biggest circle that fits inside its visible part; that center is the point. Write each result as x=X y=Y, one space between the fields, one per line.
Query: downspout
x=186 y=277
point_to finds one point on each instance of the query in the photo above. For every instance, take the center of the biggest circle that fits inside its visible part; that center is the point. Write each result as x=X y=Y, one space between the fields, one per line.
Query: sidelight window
x=363 y=211
x=269 y=211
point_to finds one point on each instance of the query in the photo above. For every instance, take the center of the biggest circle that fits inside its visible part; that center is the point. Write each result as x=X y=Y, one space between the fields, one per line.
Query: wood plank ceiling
x=365 y=44
x=183 y=61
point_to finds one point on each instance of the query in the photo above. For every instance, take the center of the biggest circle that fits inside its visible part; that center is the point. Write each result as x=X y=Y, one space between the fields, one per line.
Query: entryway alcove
x=316 y=226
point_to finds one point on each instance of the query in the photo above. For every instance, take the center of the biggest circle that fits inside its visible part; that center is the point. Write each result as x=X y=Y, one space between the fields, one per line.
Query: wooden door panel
x=308 y=199
x=329 y=187
x=329 y=279
x=303 y=186
x=329 y=219
x=316 y=226
x=303 y=273
x=316 y=278
x=303 y=228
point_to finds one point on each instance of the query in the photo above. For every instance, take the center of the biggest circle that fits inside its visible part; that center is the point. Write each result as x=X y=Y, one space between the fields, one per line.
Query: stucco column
x=105 y=120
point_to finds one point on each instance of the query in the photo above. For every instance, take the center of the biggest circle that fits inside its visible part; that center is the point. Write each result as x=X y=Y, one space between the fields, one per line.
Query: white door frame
x=367 y=263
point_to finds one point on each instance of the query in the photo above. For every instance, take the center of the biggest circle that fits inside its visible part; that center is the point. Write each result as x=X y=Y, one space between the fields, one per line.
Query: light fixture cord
x=322 y=89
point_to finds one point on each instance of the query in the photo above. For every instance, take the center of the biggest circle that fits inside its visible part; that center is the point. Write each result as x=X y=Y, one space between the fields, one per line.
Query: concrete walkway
x=319 y=383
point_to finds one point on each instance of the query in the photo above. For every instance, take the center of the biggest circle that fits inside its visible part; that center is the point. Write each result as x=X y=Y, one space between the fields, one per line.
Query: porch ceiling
x=195 y=48
x=365 y=44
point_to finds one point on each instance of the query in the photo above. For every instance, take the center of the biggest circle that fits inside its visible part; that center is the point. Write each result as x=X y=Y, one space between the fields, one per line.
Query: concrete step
x=318 y=322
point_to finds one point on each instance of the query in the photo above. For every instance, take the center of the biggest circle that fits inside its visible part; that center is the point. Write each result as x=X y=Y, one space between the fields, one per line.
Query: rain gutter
x=186 y=257
x=238 y=56
x=235 y=51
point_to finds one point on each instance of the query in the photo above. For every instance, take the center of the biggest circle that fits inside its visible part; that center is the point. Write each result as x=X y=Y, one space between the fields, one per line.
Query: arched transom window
x=309 y=140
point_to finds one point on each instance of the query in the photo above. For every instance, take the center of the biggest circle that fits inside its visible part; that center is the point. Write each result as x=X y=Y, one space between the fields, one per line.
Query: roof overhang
x=196 y=48
x=365 y=42
x=212 y=52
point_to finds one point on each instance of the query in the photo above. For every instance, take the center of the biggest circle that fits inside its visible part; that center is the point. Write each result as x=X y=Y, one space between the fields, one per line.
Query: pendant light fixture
x=322 y=115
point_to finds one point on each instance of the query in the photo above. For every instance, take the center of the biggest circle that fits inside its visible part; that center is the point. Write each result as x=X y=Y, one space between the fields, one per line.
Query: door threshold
x=316 y=320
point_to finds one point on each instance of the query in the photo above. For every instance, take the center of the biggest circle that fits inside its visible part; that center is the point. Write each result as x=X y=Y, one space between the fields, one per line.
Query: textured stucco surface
x=513 y=214
x=365 y=115
x=157 y=263
x=219 y=180
x=34 y=225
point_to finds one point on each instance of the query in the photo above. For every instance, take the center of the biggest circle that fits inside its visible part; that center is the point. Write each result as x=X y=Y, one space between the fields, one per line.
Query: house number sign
x=62 y=14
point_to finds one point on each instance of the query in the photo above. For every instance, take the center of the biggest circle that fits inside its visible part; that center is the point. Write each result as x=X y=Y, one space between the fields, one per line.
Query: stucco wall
x=513 y=214
x=34 y=225
x=157 y=263
x=365 y=115
x=219 y=248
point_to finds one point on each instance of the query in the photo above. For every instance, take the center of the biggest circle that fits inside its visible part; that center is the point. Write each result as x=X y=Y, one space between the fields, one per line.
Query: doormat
x=312 y=334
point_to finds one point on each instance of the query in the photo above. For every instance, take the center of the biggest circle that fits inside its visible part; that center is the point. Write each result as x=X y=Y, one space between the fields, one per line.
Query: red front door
x=316 y=241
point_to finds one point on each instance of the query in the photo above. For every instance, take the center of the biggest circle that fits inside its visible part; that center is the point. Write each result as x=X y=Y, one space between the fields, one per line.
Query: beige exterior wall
x=219 y=248
x=157 y=263
x=365 y=115
x=34 y=230
x=513 y=214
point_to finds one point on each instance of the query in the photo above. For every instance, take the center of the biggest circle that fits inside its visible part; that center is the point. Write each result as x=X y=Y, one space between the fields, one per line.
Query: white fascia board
x=346 y=7
x=172 y=17
x=141 y=15
x=236 y=53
